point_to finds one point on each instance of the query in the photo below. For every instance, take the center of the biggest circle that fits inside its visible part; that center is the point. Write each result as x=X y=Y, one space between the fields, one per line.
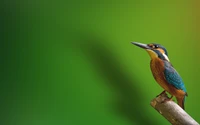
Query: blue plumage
x=173 y=77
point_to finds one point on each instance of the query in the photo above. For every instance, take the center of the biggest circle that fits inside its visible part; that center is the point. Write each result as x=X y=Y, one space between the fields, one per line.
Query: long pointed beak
x=141 y=45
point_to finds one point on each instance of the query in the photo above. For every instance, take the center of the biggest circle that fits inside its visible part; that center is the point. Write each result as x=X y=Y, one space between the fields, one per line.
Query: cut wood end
x=153 y=103
x=159 y=99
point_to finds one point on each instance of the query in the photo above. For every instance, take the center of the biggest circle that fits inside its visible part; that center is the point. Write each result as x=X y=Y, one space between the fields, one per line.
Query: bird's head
x=154 y=50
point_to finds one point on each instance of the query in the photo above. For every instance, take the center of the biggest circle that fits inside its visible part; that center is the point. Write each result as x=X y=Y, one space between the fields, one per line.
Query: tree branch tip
x=171 y=111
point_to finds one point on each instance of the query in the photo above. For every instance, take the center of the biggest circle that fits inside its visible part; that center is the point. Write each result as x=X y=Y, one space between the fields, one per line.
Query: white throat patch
x=166 y=57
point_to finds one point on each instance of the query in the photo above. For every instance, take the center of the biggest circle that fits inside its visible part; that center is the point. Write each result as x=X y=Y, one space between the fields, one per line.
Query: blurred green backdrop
x=71 y=63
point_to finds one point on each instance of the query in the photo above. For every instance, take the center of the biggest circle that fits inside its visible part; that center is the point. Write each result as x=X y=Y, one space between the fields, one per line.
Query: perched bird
x=164 y=73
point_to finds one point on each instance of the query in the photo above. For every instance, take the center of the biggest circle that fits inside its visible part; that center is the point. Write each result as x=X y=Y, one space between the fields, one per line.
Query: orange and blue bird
x=164 y=73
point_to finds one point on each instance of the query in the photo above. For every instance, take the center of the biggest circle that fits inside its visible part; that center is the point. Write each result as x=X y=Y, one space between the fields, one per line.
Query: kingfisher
x=164 y=73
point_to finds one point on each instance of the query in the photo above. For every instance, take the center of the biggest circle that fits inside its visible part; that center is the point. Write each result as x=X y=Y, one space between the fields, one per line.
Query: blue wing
x=172 y=77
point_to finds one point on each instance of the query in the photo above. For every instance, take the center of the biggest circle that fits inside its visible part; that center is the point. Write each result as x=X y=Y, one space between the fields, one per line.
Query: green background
x=71 y=63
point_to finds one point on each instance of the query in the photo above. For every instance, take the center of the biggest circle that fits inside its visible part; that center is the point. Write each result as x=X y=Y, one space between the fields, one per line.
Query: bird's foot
x=167 y=99
x=163 y=92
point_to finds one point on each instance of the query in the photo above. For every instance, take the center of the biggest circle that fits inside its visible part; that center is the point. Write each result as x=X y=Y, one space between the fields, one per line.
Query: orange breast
x=157 y=68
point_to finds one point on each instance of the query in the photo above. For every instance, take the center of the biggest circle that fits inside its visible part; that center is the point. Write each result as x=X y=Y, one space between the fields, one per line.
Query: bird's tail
x=181 y=101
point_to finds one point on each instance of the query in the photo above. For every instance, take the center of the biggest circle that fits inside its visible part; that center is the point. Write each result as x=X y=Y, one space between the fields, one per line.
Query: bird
x=164 y=73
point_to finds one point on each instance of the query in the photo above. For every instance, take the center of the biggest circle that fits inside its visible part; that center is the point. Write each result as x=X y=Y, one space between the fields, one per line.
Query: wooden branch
x=171 y=111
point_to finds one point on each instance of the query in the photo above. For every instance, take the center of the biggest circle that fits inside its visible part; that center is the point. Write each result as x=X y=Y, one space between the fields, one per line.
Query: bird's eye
x=156 y=46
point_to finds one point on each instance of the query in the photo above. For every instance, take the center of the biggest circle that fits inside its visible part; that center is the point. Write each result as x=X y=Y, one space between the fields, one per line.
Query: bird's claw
x=167 y=99
x=163 y=92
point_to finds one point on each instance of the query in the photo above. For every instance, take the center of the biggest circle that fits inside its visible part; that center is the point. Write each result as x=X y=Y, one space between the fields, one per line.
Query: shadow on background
x=129 y=97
